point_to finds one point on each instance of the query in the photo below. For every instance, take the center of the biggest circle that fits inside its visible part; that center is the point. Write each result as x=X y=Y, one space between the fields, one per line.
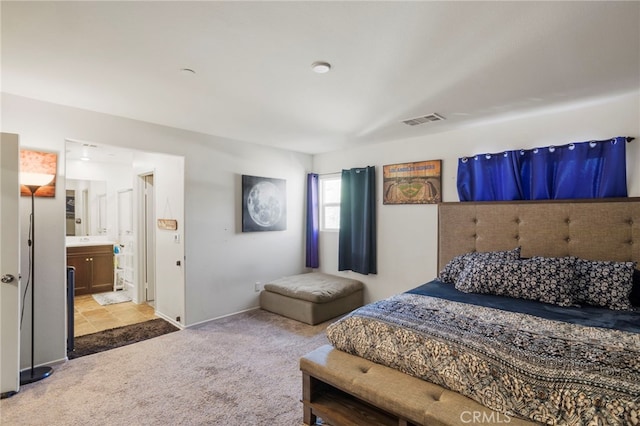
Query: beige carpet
x=240 y=370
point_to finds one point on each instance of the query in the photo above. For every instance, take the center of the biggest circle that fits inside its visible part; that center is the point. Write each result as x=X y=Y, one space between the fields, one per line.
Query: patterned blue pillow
x=452 y=270
x=605 y=283
x=545 y=279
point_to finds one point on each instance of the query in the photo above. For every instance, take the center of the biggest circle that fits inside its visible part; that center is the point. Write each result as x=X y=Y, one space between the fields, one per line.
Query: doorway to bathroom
x=127 y=222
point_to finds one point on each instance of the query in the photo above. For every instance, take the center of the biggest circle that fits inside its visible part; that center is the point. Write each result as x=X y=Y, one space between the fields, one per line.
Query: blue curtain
x=595 y=169
x=490 y=177
x=357 y=236
x=313 y=221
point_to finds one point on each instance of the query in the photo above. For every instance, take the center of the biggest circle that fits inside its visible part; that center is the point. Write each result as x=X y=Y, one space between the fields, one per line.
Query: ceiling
x=391 y=61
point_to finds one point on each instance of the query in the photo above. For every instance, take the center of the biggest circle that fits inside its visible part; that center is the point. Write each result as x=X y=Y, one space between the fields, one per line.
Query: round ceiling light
x=321 y=67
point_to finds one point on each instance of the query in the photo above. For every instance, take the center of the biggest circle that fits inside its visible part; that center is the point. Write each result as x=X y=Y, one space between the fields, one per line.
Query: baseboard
x=170 y=320
x=220 y=317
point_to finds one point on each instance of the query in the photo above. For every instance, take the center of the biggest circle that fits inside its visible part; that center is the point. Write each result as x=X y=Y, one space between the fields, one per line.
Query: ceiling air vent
x=424 y=119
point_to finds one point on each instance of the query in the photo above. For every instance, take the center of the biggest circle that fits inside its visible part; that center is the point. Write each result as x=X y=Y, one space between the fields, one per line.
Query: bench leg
x=307 y=390
x=308 y=417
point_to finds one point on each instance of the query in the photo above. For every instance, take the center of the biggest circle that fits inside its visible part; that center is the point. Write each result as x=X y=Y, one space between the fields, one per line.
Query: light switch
x=176 y=238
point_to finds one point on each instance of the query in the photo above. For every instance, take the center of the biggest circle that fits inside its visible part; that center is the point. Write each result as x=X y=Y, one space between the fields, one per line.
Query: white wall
x=407 y=234
x=225 y=262
x=168 y=179
x=222 y=264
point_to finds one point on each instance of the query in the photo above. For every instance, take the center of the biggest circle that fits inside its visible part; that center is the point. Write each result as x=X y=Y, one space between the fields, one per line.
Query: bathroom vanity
x=93 y=265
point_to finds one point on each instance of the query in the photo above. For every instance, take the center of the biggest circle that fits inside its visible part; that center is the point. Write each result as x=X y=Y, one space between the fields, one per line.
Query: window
x=330 y=202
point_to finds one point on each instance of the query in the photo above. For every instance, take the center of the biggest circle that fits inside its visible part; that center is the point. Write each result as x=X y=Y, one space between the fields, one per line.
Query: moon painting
x=264 y=204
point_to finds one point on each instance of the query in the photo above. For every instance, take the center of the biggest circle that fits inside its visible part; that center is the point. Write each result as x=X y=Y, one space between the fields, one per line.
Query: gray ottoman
x=313 y=297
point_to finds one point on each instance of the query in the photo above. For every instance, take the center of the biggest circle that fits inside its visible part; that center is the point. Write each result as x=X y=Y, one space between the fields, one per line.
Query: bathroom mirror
x=86 y=207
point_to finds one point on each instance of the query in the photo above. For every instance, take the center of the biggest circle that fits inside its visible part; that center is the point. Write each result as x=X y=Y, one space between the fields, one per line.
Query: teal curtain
x=357 y=236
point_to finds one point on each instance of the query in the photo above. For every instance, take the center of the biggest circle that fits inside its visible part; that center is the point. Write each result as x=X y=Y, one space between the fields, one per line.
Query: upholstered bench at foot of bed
x=344 y=389
x=313 y=297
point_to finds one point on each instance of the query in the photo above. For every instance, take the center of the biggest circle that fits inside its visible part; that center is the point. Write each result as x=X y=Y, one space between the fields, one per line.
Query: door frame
x=146 y=238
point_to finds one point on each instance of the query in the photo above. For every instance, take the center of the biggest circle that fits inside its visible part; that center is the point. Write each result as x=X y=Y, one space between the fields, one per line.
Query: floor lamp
x=33 y=181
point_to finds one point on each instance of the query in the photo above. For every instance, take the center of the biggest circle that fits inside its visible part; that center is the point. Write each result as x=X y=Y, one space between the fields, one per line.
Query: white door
x=9 y=261
x=149 y=240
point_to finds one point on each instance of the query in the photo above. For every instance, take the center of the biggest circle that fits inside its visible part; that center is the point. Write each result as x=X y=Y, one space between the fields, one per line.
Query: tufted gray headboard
x=606 y=229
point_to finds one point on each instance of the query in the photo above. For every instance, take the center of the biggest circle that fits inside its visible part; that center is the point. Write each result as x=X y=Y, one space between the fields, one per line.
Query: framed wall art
x=264 y=204
x=412 y=183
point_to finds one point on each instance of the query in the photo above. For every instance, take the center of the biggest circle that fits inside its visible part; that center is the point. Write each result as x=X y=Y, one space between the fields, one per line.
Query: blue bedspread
x=588 y=315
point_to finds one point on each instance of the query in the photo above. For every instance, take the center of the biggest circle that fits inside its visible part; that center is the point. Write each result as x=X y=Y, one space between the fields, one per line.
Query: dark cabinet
x=93 y=268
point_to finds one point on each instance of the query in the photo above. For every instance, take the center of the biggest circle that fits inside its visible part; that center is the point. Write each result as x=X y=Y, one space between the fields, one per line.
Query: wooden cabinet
x=94 y=268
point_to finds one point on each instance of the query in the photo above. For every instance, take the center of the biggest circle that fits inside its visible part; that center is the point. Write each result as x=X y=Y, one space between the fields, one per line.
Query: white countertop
x=88 y=241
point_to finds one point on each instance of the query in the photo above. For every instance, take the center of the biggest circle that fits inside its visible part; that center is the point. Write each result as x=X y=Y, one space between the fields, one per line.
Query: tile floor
x=91 y=317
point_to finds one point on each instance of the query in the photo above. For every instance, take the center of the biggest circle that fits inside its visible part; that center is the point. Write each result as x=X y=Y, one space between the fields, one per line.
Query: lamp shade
x=35 y=179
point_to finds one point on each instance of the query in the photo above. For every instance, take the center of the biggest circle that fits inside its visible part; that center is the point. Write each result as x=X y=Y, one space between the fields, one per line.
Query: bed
x=474 y=347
